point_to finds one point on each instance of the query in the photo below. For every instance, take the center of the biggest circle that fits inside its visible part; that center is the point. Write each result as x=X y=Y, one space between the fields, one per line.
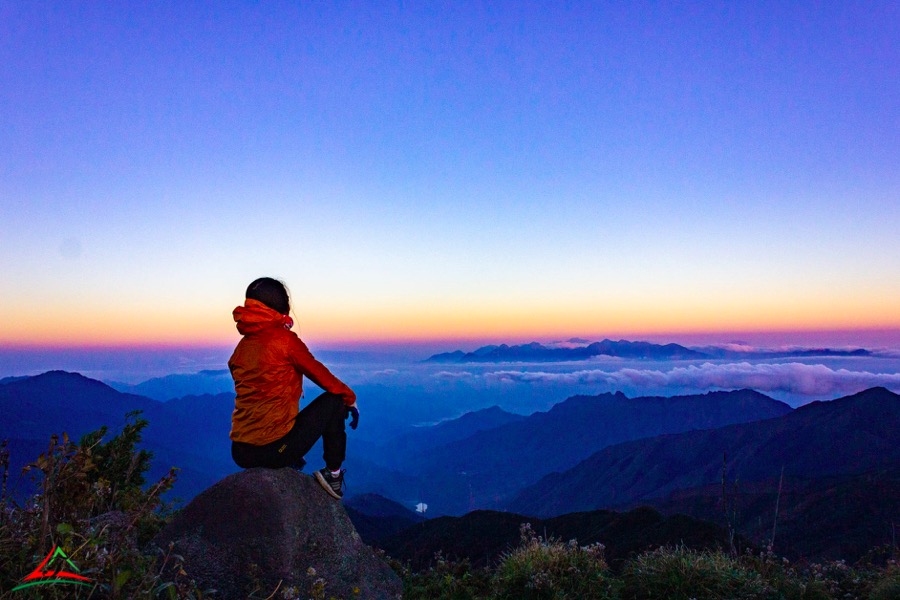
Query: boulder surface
x=260 y=528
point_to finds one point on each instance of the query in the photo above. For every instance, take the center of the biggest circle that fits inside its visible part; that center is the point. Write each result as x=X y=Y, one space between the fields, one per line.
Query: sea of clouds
x=412 y=391
x=793 y=378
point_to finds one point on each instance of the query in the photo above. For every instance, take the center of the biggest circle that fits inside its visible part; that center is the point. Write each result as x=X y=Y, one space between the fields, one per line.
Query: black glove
x=352 y=410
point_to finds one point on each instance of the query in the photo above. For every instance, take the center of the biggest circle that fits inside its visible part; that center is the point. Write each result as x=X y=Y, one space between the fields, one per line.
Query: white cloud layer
x=453 y=375
x=386 y=372
x=794 y=378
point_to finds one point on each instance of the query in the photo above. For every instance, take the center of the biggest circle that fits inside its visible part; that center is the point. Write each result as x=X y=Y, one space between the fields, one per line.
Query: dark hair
x=270 y=292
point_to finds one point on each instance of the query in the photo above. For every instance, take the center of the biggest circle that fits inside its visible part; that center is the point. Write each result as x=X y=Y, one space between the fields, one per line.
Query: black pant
x=323 y=417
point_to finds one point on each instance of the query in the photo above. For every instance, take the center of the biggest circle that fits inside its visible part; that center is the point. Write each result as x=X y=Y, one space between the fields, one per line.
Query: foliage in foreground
x=547 y=569
x=91 y=502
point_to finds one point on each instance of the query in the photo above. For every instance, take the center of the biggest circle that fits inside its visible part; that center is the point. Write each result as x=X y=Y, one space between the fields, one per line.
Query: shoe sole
x=321 y=479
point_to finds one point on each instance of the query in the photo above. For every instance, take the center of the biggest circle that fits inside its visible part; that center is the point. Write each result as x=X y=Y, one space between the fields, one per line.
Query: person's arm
x=318 y=373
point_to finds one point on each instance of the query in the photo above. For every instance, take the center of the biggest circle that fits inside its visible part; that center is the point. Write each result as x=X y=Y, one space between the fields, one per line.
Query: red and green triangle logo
x=53 y=569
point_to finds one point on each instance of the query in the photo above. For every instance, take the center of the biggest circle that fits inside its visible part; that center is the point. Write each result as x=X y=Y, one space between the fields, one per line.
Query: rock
x=260 y=527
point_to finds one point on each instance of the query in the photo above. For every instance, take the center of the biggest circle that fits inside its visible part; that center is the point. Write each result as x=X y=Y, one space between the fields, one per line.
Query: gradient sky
x=506 y=170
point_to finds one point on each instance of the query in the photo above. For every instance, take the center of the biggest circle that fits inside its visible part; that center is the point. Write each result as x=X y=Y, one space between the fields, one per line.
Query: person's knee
x=335 y=404
x=330 y=398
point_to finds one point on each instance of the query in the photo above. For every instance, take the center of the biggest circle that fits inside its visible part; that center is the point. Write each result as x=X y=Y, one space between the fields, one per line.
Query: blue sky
x=415 y=170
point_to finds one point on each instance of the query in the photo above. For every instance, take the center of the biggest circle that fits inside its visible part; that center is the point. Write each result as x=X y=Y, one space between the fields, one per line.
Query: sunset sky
x=457 y=170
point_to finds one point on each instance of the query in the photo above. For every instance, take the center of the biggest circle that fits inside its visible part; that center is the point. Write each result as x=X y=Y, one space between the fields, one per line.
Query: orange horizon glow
x=855 y=337
x=354 y=326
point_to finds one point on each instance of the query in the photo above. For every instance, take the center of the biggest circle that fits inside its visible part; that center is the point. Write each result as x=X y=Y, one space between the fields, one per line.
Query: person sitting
x=268 y=366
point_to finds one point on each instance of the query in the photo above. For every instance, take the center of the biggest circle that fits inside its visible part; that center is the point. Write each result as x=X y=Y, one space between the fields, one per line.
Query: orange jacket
x=268 y=366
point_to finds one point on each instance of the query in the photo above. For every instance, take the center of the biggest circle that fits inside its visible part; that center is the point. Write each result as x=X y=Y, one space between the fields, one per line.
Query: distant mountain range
x=850 y=435
x=485 y=467
x=210 y=381
x=577 y=349
x=480 y=460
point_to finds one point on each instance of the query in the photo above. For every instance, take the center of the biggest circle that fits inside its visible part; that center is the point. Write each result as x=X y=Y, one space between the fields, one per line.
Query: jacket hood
x=254 y=316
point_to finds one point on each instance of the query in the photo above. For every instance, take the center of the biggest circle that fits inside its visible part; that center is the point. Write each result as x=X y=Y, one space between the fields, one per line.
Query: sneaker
x=331 y=483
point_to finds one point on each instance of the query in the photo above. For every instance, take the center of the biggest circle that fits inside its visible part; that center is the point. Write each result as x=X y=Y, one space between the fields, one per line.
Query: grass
x=548 y=569
x=681 y=574
x=540 y=569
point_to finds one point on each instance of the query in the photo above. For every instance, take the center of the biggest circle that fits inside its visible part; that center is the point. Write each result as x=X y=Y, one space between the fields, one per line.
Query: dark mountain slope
x=848 y=435
x=58 y=401
x=195 y=424
x=407 y=448
x=376 y=517
x=190 y=433
x=485 y=469
x=377 y=505
x=830 y=518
